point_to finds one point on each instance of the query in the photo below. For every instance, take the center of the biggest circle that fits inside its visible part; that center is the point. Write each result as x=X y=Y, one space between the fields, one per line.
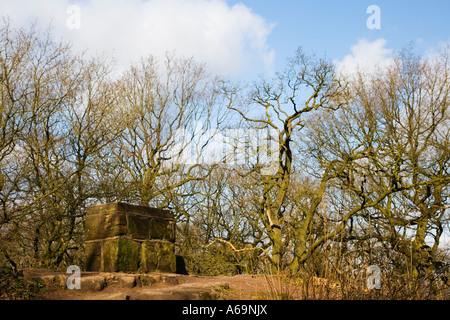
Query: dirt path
x=159 y=286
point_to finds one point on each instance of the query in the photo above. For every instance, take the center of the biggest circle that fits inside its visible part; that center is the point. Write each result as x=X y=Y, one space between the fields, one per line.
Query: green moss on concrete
x=158 y=256
x=138 y=226
x=121 y=255
x=128 y=238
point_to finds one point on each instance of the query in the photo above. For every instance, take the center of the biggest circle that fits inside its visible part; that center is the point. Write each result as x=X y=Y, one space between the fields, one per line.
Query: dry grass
x=326 y=277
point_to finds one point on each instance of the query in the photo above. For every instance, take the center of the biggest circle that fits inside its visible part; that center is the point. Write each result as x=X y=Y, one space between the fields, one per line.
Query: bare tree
x=390 y=139
x=159 y=104
x=56 y=105
x=307 y=85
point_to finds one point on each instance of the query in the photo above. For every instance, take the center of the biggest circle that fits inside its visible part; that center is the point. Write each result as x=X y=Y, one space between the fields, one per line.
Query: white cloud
x=435 y=53
x=231 y=40
x=366 y=56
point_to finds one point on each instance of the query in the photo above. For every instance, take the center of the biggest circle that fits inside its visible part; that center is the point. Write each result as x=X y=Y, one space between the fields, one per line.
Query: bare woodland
x=361 y=173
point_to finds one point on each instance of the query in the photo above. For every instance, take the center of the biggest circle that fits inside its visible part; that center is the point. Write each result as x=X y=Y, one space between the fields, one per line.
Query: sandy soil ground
x=161 y=286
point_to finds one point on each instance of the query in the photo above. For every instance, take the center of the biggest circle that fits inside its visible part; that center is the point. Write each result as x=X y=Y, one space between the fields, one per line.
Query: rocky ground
x=155 y=286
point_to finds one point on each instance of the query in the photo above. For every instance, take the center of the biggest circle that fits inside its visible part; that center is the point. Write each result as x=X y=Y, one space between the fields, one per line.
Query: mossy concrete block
x=130 y=208
x=171 y=231
x=128 y=238
x=162 y=229
x=138 y=222
x=121 y=254
x=93 y=253
x=138 y=226
x=158 y=256
x=104 y=225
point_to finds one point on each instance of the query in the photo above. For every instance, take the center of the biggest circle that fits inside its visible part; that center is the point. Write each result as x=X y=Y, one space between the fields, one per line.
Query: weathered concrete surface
x=187 y=291
x=123 y=286
x=120 y=237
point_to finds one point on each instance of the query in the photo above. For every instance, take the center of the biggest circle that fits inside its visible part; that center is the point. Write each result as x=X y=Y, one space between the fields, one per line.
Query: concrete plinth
x=127 y=238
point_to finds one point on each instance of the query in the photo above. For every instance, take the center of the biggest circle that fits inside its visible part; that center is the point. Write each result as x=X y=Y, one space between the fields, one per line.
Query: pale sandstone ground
x=159 y=286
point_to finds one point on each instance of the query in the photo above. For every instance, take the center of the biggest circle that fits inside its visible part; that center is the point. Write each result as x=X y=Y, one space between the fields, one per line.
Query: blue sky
x=239 y=38
x=331 y=27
